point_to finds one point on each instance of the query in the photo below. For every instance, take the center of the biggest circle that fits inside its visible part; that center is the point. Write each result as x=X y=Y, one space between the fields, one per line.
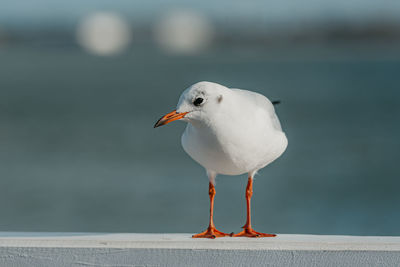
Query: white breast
x=243 y=137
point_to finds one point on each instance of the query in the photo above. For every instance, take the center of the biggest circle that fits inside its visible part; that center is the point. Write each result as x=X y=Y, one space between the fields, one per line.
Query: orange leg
x=247 y=229
x=211 y=232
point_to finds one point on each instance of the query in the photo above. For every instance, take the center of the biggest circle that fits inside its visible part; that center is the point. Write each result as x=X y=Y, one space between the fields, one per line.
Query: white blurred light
x=104 y=33
x=183 y=31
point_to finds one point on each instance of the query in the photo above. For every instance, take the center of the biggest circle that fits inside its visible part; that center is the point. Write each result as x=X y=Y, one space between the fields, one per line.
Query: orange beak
x=172 y=116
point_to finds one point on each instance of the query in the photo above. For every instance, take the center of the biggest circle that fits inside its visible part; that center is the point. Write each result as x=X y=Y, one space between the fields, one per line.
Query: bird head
x=196 y=104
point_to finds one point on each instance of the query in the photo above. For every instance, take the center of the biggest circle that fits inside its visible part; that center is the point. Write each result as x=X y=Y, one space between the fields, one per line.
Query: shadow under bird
x=230 y=132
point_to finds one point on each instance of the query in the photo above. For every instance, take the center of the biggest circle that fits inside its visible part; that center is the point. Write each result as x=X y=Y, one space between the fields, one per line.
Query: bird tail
x=276 y=102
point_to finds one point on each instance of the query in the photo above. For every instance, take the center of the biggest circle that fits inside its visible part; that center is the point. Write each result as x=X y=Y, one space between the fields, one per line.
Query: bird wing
x=261 y=102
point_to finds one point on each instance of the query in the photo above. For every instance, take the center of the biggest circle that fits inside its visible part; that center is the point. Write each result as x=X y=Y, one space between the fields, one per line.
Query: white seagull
x=230 y=132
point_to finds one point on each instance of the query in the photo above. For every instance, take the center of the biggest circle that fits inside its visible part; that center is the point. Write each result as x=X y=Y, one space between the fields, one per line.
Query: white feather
x=233 y=132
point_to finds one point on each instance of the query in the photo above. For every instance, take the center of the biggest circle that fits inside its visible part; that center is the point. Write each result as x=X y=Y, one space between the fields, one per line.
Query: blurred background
x=83 y=82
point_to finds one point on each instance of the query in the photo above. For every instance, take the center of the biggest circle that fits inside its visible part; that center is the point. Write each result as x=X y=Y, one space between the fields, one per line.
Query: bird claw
x=212 y=233
x=249 y=232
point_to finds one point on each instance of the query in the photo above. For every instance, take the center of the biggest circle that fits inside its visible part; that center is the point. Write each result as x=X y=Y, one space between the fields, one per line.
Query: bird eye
x=197 y=102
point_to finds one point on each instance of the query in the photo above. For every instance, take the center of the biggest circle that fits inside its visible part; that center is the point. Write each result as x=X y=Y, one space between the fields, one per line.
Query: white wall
x=85 y=249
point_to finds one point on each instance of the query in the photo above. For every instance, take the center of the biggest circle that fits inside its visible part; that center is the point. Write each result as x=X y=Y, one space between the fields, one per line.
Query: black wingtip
x=276 y=102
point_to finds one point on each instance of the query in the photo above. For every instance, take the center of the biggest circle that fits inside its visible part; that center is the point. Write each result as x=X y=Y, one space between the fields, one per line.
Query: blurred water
x=78 y=151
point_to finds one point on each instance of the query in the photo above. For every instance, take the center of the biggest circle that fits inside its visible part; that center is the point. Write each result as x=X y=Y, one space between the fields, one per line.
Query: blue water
x=78 y=151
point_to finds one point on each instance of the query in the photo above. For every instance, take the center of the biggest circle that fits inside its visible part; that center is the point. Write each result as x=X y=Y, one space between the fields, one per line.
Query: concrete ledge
x=87 y=249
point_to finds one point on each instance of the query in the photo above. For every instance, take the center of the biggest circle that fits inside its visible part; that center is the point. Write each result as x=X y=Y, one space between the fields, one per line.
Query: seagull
x=230 y=132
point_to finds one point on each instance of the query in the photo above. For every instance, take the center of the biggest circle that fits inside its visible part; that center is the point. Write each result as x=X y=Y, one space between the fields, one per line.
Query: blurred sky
x=49 y=13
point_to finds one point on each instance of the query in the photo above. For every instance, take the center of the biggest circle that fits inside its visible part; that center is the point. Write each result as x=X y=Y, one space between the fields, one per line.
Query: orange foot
x=211 y=232
x=249 y=232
